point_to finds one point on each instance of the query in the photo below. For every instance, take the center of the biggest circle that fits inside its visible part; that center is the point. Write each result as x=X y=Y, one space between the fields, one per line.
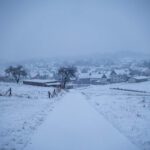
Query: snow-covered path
x=75 y=125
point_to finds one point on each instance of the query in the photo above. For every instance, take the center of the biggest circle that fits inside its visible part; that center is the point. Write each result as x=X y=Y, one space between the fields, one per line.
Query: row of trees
x=65 y=74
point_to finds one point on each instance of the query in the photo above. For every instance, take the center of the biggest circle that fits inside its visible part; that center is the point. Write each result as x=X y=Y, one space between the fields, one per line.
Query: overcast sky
x=34 y=29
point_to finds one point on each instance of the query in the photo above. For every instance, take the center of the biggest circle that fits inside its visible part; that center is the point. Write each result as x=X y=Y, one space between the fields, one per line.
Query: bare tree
x=66 y=74
x=16 y=72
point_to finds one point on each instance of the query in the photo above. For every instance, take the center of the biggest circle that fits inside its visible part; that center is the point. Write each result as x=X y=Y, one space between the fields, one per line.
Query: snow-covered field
x=75 y=125
x=21 y=114
x=129 y=112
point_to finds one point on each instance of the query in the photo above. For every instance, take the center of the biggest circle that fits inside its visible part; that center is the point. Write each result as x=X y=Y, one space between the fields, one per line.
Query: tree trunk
x=17 y=80
x=64 y=86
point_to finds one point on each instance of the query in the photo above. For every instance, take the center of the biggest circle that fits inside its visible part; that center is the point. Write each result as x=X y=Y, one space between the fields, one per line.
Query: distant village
x=46 y=76
x=92 y=79
x=110 y=77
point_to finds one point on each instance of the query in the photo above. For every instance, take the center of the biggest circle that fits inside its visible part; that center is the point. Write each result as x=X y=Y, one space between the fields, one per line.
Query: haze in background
x=42 y=29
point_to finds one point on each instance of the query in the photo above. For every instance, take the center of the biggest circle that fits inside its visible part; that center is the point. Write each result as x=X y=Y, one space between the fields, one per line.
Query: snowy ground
x=129 y=112
x=75 y=125
x=21 y=114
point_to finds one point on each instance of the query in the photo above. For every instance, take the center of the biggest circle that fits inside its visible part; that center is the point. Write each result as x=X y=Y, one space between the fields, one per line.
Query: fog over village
x=75 y=75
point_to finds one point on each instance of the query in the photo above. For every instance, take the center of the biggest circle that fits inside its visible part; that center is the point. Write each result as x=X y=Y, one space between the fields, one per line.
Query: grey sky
x=34 y=29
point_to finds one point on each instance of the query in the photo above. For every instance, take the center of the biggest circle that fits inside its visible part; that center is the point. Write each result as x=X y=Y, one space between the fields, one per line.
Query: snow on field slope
x=20 y=115
x=129 y=112
x=75 y=125
x=143 y=86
